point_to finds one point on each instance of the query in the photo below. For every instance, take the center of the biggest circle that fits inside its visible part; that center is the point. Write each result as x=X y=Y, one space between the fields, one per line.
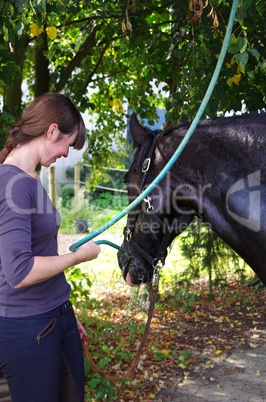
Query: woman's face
x=56 y=146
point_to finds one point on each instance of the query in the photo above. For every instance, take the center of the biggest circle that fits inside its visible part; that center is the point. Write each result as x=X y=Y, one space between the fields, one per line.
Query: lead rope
x=155 y=285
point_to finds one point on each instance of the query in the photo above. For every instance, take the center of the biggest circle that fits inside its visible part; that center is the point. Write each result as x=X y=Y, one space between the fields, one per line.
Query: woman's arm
x=46 y=267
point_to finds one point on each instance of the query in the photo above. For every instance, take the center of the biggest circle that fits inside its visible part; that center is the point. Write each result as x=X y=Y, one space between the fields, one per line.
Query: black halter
x=129 y=229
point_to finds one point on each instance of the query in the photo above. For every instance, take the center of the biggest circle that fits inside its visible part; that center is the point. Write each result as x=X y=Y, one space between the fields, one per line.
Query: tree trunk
x=13 y=94
x=42 y=76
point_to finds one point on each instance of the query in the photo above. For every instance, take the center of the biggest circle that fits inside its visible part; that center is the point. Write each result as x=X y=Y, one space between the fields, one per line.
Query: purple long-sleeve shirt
x=28 y=227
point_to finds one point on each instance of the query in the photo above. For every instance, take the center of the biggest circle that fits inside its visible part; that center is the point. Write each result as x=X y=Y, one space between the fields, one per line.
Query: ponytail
x=14 y=138
x=4 y=153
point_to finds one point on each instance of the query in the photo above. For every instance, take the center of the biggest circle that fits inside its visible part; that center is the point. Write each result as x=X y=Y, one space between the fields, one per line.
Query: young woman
x=40 y=348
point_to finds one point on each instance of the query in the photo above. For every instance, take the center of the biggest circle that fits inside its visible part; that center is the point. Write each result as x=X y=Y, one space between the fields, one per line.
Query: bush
x=67 y=194
x=207 y=253
x=109 y=200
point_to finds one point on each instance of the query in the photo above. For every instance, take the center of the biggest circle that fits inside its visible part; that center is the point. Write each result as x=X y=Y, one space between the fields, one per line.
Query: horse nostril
x=123 y=262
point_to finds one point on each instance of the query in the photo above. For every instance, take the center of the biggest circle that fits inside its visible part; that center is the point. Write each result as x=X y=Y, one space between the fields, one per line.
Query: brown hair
x=45 y=110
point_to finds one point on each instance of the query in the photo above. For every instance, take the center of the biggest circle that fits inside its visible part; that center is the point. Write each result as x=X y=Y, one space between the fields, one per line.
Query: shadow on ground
x=240 y=377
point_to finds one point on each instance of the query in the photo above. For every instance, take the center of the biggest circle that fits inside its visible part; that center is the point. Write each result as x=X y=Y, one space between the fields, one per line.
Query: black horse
x=220 y=177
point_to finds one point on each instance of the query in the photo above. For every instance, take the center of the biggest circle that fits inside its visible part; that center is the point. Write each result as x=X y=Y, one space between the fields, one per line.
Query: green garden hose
x=182 y=145
x=110 y=243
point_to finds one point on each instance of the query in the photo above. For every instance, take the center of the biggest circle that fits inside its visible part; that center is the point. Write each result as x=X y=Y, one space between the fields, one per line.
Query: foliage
x=105 y=199
x=99 y=210
x=112 y=178
x=84 y=173
x=109 y=194
x=67 y=194
x=100 y=389
x=80 y=284
x=206 y=252
x=140 y=54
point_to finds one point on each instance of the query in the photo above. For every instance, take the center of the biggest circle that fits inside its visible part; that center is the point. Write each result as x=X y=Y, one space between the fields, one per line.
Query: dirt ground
x=240 y=375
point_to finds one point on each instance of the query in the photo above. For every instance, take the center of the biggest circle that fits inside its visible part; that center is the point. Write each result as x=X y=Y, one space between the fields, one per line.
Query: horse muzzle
x=137 y=269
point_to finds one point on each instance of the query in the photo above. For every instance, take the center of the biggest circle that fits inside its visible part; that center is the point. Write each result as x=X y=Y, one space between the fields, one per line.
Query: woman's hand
x=88 y=251
x=82 y=332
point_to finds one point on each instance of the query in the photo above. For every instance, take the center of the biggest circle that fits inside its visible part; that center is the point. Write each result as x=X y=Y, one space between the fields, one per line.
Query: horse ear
x=138 y=132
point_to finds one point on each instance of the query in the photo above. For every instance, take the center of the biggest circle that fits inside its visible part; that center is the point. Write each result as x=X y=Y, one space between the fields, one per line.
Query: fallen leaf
x=182 y=366
x=253 y=345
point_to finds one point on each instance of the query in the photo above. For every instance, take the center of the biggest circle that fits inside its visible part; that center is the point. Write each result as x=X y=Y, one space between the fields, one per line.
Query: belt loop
x=64 y=306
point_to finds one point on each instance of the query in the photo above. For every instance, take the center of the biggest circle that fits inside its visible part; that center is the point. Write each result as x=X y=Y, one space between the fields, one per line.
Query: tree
x=105 y=55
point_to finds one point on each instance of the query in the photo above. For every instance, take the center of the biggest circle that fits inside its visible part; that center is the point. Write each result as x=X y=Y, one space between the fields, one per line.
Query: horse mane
x=244 y=127
x=237 y=133
x=184 y=124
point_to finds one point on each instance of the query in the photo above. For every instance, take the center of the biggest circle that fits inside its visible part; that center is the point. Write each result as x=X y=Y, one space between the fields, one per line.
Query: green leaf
x=159 y=356
x=11 y=8
x=20 y=5
x=7 y=75
x=236 y=44
x=20 y=28
x=5 y=29
x=254 y=53
x=94 y=382
x=104 y=362
x=243 y=48
x=241 y=58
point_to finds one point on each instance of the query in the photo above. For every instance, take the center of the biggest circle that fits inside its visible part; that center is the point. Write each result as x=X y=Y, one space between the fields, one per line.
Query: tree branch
x=85 y=49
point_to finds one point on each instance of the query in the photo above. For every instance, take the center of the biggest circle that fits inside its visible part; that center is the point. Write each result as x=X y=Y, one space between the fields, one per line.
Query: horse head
x=150 y=229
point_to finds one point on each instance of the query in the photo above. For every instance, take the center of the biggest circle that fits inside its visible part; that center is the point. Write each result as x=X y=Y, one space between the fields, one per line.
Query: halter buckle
x=148 y=201
x=146 y=165
x=156 y=274
x=127 y=233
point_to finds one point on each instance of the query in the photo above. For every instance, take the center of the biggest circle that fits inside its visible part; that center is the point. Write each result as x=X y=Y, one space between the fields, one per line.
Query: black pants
x=41 y=357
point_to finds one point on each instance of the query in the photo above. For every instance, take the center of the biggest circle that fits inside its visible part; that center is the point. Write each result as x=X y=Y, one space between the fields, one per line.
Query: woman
x=40 y=348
